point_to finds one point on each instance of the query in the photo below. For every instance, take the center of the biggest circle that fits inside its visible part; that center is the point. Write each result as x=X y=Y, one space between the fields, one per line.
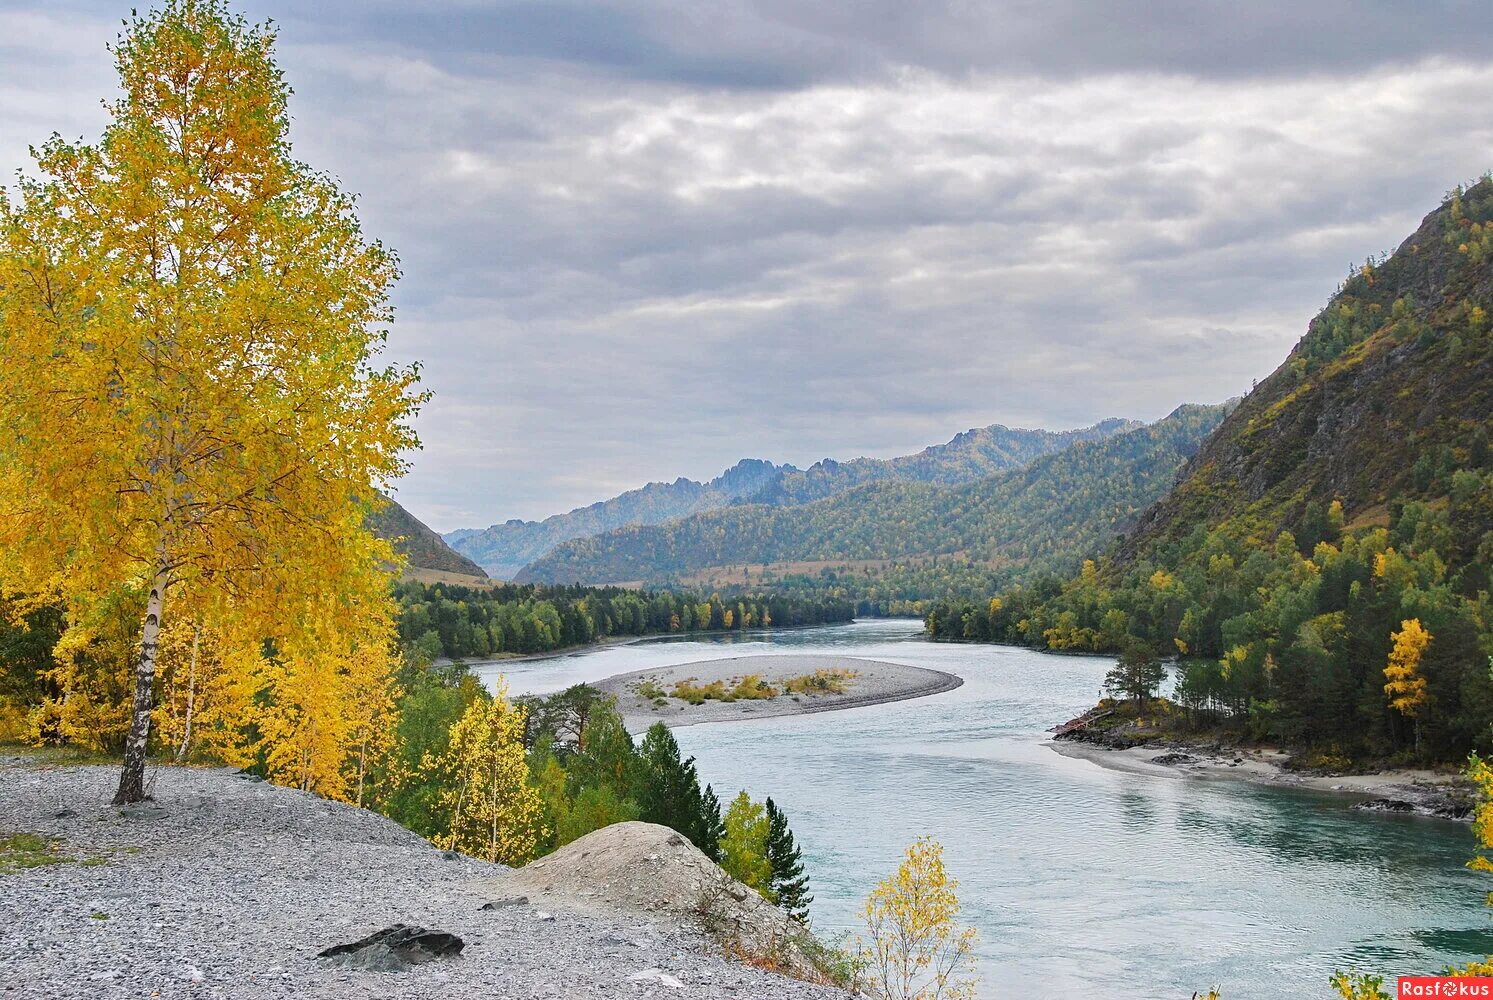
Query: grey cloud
x=787 y=44
x=864 y=232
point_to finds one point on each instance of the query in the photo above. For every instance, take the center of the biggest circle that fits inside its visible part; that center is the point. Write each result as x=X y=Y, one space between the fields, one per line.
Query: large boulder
x=652 y=871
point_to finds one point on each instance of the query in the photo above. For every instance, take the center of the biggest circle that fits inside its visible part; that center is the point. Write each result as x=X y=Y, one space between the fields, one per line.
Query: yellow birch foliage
x=916 y=948
x=190 y=389
x=91 y=667
x=325 y=699
x=495 y=813
x=1481 y=775
x=189 y=668
x=1404 y=686
x=1359 y=986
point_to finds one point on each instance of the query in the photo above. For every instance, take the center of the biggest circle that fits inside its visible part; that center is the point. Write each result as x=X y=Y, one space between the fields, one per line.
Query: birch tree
x=190 y=329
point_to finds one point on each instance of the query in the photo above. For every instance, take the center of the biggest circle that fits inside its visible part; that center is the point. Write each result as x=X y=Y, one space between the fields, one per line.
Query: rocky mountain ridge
x=504 y=549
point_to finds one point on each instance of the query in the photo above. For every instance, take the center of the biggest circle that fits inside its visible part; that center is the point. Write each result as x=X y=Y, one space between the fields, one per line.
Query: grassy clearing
x=56 y=756
x=21 y=851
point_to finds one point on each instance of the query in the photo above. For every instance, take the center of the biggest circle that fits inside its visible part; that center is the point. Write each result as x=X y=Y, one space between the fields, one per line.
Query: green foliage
x=1138 y=674
x=1287 y=648
x=744 y=844
x=432 y=702
x=26 y=653
x=669 y=792
x=573 y=808
x=21 y=851
x=437 y=620
x=1350 y=493
x=712 y=826
x=587 y=772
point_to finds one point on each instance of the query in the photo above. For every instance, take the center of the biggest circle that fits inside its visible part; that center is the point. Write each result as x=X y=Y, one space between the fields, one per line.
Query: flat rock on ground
x=227 y=887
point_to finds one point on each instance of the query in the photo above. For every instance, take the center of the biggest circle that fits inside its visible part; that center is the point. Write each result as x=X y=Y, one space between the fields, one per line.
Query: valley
x=313 y=281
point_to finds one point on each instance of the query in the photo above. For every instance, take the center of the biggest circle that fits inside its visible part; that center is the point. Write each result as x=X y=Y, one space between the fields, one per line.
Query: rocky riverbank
x=227 y=887
x=1421 y=792
x=647 y=696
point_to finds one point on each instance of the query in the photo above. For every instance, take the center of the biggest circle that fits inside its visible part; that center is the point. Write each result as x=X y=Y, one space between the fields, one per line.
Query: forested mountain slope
x=1381 y=400
x=504 y=548
x=1039 y=515
x=423 y=547
x=1323 y=565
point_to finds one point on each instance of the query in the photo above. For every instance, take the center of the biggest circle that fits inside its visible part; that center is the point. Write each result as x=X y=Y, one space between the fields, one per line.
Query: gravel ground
x=227 y=887
x=875 y=682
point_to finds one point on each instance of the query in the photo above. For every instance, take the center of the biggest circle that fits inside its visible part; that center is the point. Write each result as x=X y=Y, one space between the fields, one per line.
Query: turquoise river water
x=1082 y=881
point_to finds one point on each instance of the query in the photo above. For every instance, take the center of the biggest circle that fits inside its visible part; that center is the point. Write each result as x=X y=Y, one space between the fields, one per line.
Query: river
x=1082 y=881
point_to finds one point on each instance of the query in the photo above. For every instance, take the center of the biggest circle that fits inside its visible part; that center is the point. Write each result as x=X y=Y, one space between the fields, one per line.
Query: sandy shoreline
x=1429 y=793
x=875 y=682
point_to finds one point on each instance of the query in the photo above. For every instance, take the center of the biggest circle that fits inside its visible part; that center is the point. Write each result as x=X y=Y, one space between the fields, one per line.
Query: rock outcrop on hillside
x=655 y=872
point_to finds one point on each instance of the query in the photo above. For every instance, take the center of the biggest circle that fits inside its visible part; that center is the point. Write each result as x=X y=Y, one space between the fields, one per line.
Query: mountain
x=503 y=549
x=425 y=549
x=1025 y=517
x=967 y=456
x=1323 y=565
x=1379 y=401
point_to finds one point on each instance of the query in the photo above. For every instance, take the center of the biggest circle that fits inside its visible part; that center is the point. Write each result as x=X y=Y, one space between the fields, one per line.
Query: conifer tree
x=788 y=886
x=711 y=826
x=1138 y=673
x=669 y=792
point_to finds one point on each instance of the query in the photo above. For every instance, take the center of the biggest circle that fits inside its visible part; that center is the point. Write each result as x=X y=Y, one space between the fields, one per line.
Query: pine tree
x=669 y=792
x=711 y=827
x=1138 y=674
x=788 y=886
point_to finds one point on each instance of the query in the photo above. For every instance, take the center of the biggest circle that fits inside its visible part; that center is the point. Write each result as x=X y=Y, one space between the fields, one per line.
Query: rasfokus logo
x=1444 y=986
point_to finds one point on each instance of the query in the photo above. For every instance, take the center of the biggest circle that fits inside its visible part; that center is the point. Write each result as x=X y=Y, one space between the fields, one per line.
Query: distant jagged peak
x=747 y=475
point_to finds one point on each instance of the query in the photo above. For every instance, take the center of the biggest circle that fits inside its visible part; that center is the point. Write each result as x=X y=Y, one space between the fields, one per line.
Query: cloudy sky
x=644 y=239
